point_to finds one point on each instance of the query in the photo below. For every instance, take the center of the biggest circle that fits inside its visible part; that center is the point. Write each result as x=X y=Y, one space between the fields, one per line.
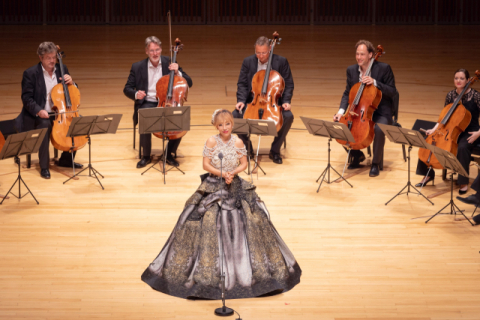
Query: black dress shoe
x=275 y=157
x=375 y=170
x=142 y=163
x=45 y=173
x=471 y=199
x=68 y=165
x=460 y=191
x=420 y=184
x=356 y=162
x=171 y=161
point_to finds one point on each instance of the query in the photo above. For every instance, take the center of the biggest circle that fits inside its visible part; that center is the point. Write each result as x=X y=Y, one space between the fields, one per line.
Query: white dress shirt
x=154 y=74
x=262 y=66
x=50 y=82
x=342 y=111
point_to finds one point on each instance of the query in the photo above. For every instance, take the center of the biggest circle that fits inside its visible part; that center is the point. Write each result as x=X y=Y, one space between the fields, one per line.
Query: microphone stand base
x=224 y=312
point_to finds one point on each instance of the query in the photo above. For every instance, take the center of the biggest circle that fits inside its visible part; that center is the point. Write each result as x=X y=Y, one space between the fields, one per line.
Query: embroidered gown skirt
x=256 y=261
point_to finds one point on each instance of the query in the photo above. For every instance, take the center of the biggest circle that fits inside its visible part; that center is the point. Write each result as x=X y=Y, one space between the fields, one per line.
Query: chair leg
x=444 y=174
x=134 y=134
x=29 y=160
x=369 y=151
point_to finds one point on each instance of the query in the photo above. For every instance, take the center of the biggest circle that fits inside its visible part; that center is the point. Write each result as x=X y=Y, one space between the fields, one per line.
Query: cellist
x=37 y=84
x=471 y=101
x=252 y=65
x=141 y=87
x=381 y=77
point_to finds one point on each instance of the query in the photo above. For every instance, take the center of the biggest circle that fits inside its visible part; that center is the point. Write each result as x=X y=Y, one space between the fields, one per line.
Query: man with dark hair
x=382 y=77
x=37 y=84
x=141 y=87
x=252 y=65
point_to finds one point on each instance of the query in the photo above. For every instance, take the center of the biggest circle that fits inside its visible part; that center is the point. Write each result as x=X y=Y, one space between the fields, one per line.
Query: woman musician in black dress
x=471 y=101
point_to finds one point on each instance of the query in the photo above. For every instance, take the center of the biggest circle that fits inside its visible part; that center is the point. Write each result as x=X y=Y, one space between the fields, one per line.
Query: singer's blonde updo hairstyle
x=221 y=115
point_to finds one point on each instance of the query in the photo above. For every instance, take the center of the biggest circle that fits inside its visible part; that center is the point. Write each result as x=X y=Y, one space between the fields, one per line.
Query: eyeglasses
x=154 y=51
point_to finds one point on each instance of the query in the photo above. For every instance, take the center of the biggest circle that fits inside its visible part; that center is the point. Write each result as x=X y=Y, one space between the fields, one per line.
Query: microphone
x=220 y=155
x=260 y=113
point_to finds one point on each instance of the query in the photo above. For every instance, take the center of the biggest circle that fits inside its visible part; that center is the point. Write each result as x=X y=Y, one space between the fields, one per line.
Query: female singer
x=223 y=215
x=471 y=101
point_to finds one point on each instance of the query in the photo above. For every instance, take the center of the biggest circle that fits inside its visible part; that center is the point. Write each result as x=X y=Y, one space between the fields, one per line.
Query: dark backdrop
x=240 y=11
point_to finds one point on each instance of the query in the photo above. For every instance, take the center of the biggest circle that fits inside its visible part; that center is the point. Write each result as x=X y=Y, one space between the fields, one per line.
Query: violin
x=267 y=88
x=453 y=120
x=363 y=100
x=172 y=91
x=66 y=101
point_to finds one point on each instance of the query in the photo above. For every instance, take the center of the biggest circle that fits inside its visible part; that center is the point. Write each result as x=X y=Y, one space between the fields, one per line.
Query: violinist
x=381 y=77
x=471 y=101
x=252 y=65
x=37 y=84
x=141 y=87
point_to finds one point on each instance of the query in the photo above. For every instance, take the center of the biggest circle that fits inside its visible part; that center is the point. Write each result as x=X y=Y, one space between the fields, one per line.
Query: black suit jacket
x=34 y=95
x=138 y=80
x=249 y=68
x=385 y=79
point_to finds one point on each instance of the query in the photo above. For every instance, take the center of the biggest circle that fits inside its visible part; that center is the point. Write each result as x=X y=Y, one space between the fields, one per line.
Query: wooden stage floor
x=80 y=253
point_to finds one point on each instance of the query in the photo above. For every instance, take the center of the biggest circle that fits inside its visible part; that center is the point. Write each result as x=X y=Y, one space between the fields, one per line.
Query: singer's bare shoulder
x=239 y=144
x=211 y=142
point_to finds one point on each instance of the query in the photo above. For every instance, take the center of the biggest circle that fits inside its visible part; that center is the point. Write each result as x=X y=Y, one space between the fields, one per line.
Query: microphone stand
x=223 y=311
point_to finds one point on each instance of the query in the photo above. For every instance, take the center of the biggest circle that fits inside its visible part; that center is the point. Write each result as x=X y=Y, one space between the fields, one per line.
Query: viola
x=453 y=120
x=66 y=101
x=363 y=100
x=267 y=88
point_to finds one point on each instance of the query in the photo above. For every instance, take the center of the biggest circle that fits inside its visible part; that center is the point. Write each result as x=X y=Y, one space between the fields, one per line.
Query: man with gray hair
x=252 y=65
x=37 y=84
x=141 y=88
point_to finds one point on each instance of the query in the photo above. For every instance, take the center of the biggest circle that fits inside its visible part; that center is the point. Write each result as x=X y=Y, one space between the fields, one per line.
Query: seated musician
x=381 y=77
x=141 y=87
x=471 y=101
x=37 y=84
x=252 y=65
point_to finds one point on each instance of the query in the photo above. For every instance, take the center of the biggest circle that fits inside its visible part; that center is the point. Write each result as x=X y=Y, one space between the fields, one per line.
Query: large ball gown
x=256 y=260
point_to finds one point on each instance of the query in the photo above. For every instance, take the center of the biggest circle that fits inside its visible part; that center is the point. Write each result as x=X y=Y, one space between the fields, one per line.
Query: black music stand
x=163 y=120
x=92 y=125
x=330 y=130
x=411 y=138
x=258 y=127
x=449 y=161
x=19 y=144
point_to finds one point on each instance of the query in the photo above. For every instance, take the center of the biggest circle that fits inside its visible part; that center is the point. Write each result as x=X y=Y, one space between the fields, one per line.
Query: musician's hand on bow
x=140 y=95
x=174 y=67
x=429 y=131
x=286 y=106
x=68 y=79
x=239 y=106
x=43 y=114
x=337 y=117
x=368 y=80
x=473 y=136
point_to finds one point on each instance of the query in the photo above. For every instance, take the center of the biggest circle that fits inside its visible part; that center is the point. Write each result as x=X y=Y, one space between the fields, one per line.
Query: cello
x=267 y=87
x=172 y=91
x=363 y=100
x=66 y=101
x=453 y=120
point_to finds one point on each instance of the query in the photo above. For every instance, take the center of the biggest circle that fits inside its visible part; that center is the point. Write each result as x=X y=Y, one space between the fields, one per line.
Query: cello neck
x=68 y=101
x=455 y=104
x=267 y=71
x=172 y=77
x=362 y=86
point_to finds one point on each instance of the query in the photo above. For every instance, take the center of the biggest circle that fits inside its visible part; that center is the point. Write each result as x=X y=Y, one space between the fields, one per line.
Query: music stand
x=411 y=138
x=330 y=130
x=450 y=162
x=163 y=120
x=92 y=125
x=258 y=127
x=19 y=144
